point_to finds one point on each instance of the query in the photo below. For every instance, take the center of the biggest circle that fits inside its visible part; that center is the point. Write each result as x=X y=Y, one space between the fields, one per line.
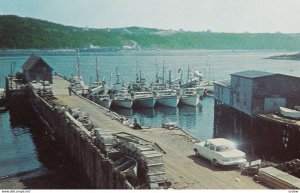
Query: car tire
x=214 y=163
x=196 y=152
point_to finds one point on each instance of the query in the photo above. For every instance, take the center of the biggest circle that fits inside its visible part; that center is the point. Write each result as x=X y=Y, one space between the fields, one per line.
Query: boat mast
x=136 y=71
x=97 y=71
x=156 y=75
x=78 y=65
x=188 y=75
x=163 y=76
x=117 y=73
x=170 y=81
x=208 y=68
x=140 y=74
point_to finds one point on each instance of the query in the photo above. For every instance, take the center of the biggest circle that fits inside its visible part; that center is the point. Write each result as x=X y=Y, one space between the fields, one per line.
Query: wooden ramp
x=278 y=179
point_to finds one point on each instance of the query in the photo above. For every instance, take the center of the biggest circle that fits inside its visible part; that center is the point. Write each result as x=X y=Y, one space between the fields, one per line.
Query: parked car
x=220 y=151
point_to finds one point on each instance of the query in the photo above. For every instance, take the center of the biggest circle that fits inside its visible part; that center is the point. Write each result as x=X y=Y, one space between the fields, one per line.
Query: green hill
x=19 y=32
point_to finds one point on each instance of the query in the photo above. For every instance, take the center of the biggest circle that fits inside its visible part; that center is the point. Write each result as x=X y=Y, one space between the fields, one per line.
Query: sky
x=238 y=16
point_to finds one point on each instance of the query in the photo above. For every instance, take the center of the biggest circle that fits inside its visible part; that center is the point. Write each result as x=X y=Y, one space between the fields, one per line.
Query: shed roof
x=32 y=61
x=252 y=74
x=225 y=83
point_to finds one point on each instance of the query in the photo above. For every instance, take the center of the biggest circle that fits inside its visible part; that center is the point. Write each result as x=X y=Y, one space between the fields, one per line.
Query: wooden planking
x=278 y=178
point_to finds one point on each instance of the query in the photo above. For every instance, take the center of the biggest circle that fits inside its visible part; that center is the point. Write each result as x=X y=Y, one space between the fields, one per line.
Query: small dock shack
x=35 y=68
x=247 y=108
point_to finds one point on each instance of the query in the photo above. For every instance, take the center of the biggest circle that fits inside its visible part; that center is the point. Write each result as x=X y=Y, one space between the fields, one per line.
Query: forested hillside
x=19 y=32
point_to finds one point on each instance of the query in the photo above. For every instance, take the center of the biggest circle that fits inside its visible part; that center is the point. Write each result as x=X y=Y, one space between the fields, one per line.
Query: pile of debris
x=82 y=117
x=291 y=167
x=170 y=125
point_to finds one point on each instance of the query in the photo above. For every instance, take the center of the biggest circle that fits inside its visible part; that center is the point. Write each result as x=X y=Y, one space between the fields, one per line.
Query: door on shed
x=272 y=104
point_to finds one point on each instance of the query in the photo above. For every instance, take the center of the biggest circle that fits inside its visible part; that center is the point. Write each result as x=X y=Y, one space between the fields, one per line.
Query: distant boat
x=144 y=99
x=203 y=88
x=190 y=97
x=289 y=113
x=77 y=83
x=164 y=96
x=120 y=94
x=96 y=87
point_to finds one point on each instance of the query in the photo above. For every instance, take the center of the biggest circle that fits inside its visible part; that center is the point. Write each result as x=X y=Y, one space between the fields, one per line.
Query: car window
x=207 y=144
x=212 y=147
x=223 y=148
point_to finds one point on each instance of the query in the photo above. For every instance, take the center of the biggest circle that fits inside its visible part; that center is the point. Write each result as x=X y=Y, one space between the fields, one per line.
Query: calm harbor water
x=18 y=142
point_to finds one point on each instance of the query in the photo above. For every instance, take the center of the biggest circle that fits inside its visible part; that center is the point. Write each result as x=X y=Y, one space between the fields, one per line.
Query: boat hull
x=171 y=101
x=125 y=103
x=289 y=113
x=190 y=100
x=105 y=103
x=146 y=102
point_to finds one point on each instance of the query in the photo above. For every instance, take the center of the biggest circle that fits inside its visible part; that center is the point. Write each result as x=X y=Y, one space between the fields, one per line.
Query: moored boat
x=190 y=97
x=78 y=86
x=167 y=97
x=122 y=98
x=103 y=99
x=144 y=99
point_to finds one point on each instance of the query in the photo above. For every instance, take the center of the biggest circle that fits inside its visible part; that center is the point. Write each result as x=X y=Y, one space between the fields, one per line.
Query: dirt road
x=183 y=168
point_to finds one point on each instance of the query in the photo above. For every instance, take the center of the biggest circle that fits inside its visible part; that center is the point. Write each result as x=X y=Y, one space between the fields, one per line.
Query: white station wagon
x=220 y=151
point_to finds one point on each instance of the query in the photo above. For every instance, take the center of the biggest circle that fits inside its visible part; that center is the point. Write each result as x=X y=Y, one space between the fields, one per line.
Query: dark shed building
x=35 y=68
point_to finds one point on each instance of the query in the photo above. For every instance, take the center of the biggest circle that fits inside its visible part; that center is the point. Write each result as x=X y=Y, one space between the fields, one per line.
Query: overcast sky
x=193 y=15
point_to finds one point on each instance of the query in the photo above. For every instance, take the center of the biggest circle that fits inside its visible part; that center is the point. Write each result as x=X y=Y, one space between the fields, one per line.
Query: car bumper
x=235 y=162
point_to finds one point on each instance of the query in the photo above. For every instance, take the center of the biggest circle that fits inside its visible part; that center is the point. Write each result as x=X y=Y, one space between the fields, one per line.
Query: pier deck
x=183 y=168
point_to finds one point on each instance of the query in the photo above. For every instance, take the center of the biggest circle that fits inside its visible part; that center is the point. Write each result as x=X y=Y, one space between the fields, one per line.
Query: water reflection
x=147 y=112
x=188 y=116
x=122 y=111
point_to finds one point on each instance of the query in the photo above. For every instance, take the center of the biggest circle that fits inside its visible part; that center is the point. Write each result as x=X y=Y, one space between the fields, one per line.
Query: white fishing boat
x=122 y=98
x=144 y=99
x=77 y=84
x=96 y=88
x=167 y=97
x=103 y=99
x=289 y=113
x=190 y=97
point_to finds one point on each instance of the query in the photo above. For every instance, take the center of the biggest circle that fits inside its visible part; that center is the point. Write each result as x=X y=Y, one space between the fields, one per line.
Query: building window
x=238 y=97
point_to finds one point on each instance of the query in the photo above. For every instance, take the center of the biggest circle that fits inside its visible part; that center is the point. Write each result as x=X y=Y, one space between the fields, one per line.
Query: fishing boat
x=122 y=98
x=120 y=94
x=167 y=97
x=96 y=87
x=164 y=96
x=102 y=99
x=77 y=84
x=144 y=99
x=190 y=97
